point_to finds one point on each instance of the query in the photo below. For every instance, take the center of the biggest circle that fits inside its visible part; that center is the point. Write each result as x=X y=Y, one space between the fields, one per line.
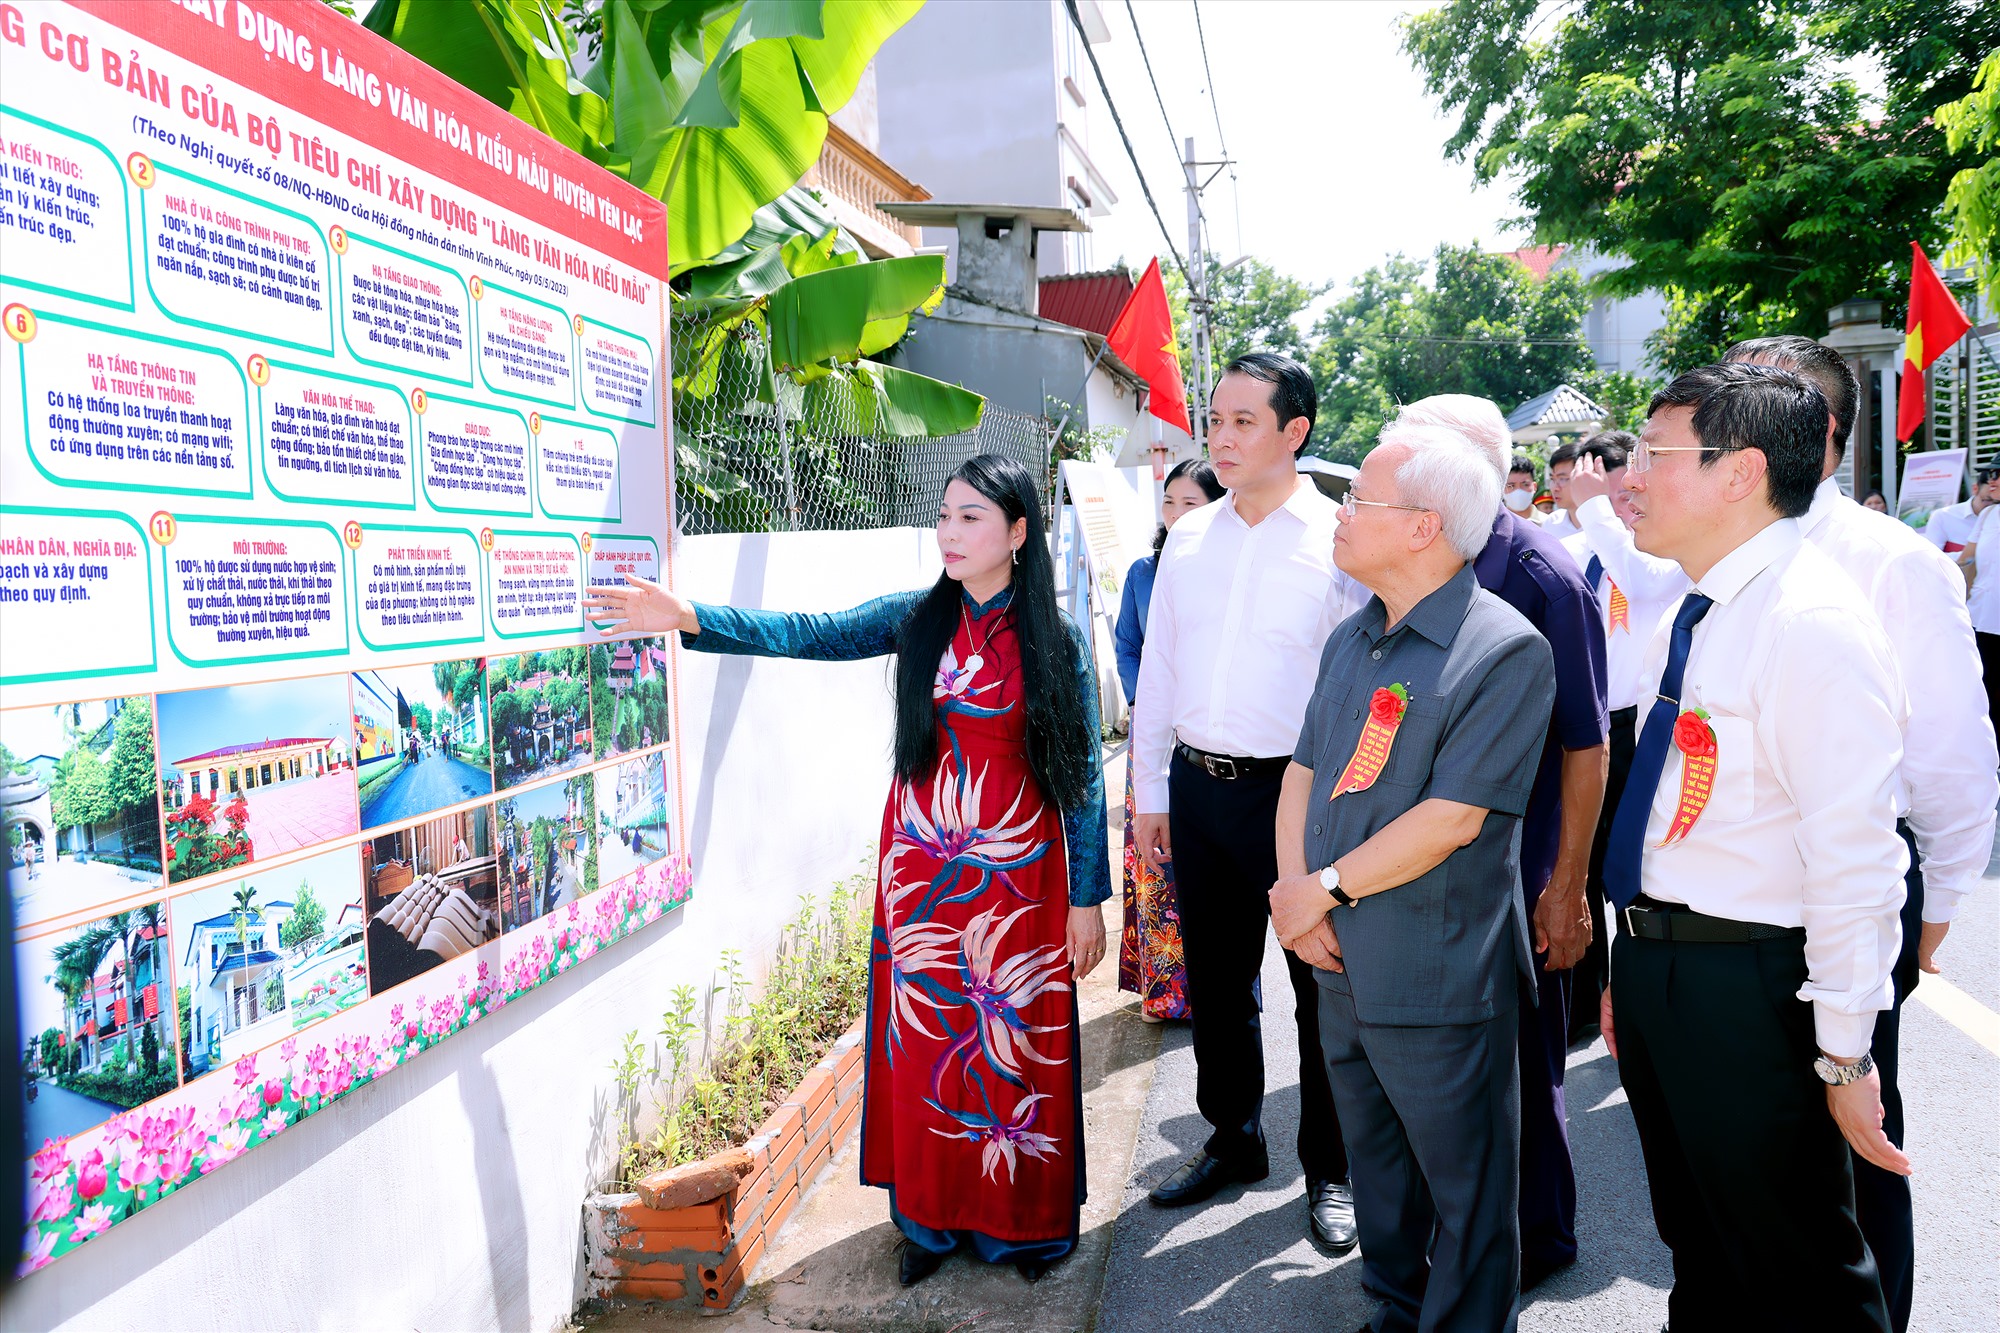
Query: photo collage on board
x=200 y=875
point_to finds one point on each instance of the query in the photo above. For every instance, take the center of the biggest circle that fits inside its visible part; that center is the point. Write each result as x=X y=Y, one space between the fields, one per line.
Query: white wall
x=447 y=1195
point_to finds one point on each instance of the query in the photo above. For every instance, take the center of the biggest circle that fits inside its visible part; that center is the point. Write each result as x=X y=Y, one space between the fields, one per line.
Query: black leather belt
x=1229 y=767
x=1650 y=920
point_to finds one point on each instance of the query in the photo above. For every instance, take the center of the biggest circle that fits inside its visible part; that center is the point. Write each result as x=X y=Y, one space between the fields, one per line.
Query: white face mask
x=1519 y=501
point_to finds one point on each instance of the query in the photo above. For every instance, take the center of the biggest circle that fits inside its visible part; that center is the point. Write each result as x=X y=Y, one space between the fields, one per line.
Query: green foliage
x=81 y=792
x=817 y=987
x=307 y=922
x=134 y=768
x=149 y=1051
x=52 y=1045
x=114 y=1085
x=9 y=764
x=1972 y=201
x=1252 y=308
x=421 y=720
x=196 y=848
x=1717 y=147
x=1482 y=325
x=184 y=1014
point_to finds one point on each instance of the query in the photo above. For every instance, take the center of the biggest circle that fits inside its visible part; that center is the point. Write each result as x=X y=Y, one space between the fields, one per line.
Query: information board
x=326 y=387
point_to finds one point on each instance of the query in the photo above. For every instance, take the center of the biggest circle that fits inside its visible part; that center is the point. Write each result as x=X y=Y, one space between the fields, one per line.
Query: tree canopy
x=1727 y=151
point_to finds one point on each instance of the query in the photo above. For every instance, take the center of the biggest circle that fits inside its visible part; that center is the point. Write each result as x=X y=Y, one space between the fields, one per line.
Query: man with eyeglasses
x=1397 y=837
x=1526 y=566
x=1754 y=869
x=1948 y=775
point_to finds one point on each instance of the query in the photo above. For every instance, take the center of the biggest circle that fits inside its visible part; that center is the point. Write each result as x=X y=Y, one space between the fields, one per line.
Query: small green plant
x=818 y=985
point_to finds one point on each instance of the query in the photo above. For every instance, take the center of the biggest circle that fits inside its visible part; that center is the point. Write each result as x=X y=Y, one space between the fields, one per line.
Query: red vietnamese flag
x=1143 y=338
x=1935 y=323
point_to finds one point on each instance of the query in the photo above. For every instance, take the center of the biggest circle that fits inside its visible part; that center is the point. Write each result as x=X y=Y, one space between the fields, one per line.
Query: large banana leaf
x=869 y=398
x=717 y=108
x=515 y=53
x=841 y=313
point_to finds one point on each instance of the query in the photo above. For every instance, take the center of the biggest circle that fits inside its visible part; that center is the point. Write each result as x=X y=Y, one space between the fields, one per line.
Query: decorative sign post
x=326 y=387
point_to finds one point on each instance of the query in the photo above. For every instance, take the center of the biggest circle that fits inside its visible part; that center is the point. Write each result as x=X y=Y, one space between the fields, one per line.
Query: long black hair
x=1062 y=742
x=1202 y=473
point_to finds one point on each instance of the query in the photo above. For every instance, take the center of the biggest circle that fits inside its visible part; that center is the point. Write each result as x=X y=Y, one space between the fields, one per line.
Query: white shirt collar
x=1734 y=571
x=1825 y=496
x=1299 y=503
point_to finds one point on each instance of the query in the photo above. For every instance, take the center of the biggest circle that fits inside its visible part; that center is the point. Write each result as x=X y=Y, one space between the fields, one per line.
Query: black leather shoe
x=917 y=1264
x=1330 y=1213
x=1200 y=1176
x=1033 y=1270
x=1534 y=1272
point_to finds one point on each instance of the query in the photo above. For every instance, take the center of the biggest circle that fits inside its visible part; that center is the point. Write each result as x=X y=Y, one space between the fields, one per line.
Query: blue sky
x=202 y=720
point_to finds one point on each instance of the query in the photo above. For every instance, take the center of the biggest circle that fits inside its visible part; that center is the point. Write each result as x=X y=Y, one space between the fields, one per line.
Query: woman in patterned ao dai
x=994 y=861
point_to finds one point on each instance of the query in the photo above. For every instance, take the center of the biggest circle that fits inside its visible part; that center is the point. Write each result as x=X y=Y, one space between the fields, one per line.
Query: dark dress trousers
x=1531 y=572
x=1419 y=1031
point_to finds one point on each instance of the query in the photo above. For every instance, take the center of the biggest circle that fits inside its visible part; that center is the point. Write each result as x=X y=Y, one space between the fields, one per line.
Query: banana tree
x=719 y=107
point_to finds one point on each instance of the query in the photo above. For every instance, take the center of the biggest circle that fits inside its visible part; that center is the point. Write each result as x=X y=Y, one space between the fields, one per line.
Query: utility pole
x=1199 y=350
x=1197 y=301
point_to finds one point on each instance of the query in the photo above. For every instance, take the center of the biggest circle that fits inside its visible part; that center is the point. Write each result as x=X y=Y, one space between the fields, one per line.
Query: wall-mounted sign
x=326 y=387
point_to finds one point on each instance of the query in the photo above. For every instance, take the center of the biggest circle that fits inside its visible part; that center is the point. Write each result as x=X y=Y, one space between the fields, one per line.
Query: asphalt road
x=57 y=1112
x=1243 y=1260
x=437 y=780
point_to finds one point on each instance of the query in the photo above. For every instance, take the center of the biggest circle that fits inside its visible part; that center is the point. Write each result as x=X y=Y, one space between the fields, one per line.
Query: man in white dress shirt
x=1244 y=599
x=1756 y=871
x=1949 y=764
x=1561 y=522
x=1635 y=592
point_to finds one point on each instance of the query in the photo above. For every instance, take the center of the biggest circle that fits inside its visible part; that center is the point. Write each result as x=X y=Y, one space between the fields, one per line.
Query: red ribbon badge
x=1371 y=753
x=1621 y=610
x=1696 y=742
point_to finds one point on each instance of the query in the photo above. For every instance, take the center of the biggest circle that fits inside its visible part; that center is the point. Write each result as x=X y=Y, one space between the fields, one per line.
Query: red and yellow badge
x=1371 y=753
x=1621 y=610
x=1696 y=741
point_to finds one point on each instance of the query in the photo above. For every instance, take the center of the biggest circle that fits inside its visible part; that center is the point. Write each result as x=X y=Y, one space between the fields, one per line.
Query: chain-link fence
x=756 y=453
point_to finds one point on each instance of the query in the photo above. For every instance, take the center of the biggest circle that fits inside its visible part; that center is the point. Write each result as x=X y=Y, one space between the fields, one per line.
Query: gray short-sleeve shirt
x=1447 y=946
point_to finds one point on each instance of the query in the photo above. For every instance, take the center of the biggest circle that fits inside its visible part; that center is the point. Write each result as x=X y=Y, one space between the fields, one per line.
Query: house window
x=264 y=774
x=232 y=782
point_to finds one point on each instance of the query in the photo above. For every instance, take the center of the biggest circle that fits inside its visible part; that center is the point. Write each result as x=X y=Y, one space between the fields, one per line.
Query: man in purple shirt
x=1528 y=569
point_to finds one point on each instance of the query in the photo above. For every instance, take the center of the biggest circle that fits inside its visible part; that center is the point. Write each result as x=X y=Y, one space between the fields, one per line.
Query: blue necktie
x=1593 y=571
x=1649 y=761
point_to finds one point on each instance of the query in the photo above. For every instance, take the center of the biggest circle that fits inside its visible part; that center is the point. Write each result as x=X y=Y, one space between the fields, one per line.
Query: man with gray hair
x=1526 y=566
x=1396 y=851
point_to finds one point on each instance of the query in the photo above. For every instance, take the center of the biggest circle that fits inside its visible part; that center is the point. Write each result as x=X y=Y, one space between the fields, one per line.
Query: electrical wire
x=1147 y=61
x=1221 y=139
x=1076 y=20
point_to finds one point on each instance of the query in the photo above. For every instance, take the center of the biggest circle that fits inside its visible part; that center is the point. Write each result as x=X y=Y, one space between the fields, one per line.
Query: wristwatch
x=1839 y=1075
x=1329 y=879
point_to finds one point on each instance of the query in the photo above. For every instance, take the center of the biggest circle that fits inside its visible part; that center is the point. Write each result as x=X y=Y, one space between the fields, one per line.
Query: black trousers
x=1989 y=662
x=1752 y=1185
x=1434 y=1128
x=1589 y=978
x=1882 y=1198
x=1225 y=862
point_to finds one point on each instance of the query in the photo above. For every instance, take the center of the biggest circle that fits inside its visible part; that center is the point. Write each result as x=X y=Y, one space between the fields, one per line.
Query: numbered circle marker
x=420 y=401
x=478 y=288
x=162 y=527
x=534 y=423
x=140 y=168
x=576 y=322
x=337 y=235
x=259 y=368
x=486 y=540
x=351 y=534
x=587 y=544
x=20 y=323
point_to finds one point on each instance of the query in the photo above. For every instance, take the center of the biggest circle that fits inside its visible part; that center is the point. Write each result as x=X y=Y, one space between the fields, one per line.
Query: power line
x=1222 y=140
x=1148 y=62
x=1076 y=20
